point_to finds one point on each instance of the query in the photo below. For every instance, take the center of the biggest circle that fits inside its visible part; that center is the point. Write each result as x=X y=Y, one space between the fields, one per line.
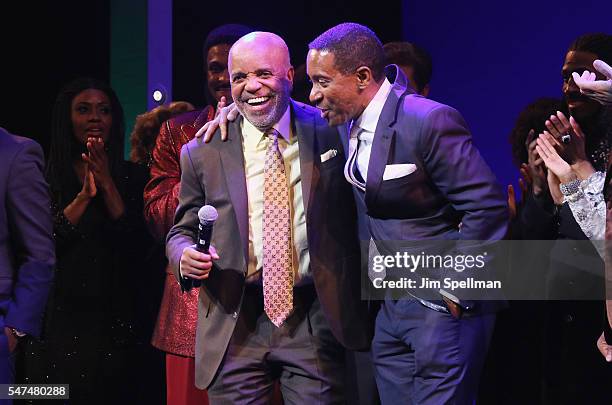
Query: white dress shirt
x=364 y=127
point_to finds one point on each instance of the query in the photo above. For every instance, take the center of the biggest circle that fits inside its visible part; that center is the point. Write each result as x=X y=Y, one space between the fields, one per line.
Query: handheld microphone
x=207 y=216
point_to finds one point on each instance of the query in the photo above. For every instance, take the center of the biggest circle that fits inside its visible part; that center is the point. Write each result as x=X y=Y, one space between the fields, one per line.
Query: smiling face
x=91 y=115
x=261 y=78
x=580 y=106
x=337 y=95
x=217 y=77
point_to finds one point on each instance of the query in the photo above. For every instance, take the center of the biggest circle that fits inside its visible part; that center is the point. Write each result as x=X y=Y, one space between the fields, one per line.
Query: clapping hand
x=546 y=149
x=600 y=90
x=574 y=149
x=524 y=184
x=534 y=170
x=89 y=190
x=97 y=160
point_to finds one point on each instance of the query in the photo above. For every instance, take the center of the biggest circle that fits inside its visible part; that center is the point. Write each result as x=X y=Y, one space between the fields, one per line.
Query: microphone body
x=207 y=216
x=204 y=234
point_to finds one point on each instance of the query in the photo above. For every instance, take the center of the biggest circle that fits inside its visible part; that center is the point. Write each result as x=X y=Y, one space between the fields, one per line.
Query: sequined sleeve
x=161 y=193
x=589 y=208
x=64 y=231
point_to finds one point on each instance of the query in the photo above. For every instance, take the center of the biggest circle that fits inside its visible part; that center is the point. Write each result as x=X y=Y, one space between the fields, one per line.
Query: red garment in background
x=178 y=314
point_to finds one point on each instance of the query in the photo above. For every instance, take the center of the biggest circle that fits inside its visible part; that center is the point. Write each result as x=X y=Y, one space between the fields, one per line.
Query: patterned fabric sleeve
x=589 y=208
x=161 y=193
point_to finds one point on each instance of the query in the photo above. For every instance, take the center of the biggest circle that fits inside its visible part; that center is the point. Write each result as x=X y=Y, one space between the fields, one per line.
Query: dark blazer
x=214 y=174
x=452 y=183
x=27 y=251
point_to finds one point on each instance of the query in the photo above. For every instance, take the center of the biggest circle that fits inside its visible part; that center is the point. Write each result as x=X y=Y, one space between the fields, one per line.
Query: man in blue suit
x=27 y=251
x=416 y=176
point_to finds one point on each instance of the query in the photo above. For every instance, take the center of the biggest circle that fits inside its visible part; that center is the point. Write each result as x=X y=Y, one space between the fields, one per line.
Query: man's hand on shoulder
x=223 y=116
x=197 y=265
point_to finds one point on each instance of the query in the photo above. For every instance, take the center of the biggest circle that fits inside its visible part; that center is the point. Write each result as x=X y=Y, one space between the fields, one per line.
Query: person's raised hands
x=600 y=90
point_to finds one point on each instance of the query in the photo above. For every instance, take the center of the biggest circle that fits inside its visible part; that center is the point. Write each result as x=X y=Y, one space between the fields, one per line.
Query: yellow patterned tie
x=277 y=271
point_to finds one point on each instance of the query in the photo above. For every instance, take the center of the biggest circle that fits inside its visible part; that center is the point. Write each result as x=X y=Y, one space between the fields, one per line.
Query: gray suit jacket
x=214 y=174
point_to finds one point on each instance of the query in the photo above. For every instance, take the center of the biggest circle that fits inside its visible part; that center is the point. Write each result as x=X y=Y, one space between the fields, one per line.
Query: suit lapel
x=305 y=132
x=381 y=145
x=232 y=160
x=344 y=138
x=379 y=157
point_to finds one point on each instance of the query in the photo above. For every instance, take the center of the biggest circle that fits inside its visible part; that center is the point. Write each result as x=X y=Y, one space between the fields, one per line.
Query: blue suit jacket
x=452 y=183
x=27 y=251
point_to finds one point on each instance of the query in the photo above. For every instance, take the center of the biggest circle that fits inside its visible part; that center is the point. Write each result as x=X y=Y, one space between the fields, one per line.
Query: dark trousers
x=302 y=354
x=422 y=356
x=360 y=382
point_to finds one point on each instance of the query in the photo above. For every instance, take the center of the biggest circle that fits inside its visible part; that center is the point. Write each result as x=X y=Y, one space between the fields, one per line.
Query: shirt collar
x=369 y=117
x=252 y=135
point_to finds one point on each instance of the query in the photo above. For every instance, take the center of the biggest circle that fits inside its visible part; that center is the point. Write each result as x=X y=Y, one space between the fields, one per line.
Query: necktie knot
x=365 y=136
x=353 y=129
x=351 y=168
x=273 y=134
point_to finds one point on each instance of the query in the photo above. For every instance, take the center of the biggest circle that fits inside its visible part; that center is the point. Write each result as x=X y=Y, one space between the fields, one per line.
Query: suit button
x=235 y=315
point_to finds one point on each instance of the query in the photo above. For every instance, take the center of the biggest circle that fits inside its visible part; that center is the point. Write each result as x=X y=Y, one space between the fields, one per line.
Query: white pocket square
x=328 y=155
x=397 y=171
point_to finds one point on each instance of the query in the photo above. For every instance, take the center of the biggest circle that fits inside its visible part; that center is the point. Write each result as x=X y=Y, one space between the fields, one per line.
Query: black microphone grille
x=208 y=213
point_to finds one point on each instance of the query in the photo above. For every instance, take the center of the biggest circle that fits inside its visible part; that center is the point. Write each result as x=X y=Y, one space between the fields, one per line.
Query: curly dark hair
x=147 y=127
x=65 y=148
x=353 y=45
x=532 y=117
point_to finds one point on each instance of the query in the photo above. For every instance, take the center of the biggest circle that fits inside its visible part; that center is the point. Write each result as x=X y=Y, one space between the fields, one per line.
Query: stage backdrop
x=493 y=58
x=490 y=58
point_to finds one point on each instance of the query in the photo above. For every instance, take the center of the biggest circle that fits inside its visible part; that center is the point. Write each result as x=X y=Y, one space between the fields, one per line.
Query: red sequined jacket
x=178 y=314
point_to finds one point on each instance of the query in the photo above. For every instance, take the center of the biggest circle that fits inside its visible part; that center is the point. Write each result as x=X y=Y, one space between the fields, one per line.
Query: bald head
x=266 y=43
x=261 y=77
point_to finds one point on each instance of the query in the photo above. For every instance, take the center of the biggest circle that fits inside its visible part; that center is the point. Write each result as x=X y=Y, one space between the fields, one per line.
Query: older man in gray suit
x=283 y=291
